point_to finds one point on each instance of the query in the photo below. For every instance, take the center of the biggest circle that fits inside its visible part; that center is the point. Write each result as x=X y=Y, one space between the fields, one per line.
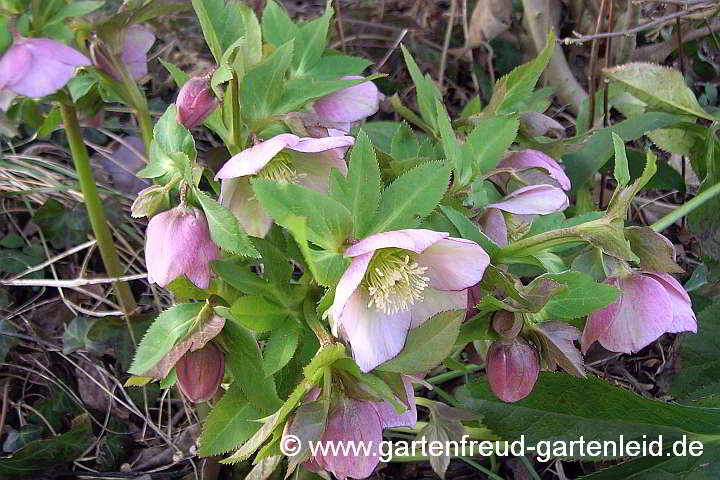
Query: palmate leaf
x=169 y=138
x=225 y=230
x=583 y=295
x=222 y=23
x=277 y=27
x=426 y=91
x=231 y=422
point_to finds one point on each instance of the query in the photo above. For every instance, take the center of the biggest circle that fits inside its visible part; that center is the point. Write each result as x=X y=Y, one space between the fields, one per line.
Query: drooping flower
x=136 y=43
x=200 y=372
x=536 y=124
x=36 y=67
x=533 y=200
x=396 y=281
x=651 y=304
x=285 y=158
x=523 y=163
x=195 y=101
x=352 y=420
x=350 y=104
x=512 y=369
x=178 y=243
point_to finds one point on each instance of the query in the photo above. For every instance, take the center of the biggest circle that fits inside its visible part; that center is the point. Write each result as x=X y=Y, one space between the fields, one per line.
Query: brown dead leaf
x=489 y=19
x=92 y=395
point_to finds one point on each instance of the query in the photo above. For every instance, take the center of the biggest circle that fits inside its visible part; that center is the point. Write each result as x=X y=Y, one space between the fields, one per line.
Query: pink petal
x=352 y=421
x=253 y=159
x=434 y=302
x=390 y=418
x=454 y=263
x=43 y=78
x=533 y=199
x=14 y=65
x=348 y=283
x=683 y=315
x=637 y=318
x=315 y=145
x=349 y=104
x=492 y=224
x=6 y=98
x=535 y=159
x=237 y=195
x=375 y=337
x=413 y=239
x=512 y=369
x=314 y=169
x=46 y=50
x=137 y=43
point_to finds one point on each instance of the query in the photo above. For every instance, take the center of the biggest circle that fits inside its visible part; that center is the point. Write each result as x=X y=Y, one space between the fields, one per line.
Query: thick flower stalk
x=195 y=101
x=285 y=158
x=396 y=281
x=651 y=305
x=178 y=243
x=349 y=105
x=36 y=67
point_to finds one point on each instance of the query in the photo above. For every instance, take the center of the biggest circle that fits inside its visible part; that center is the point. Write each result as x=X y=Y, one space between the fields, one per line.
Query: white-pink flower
x=284 y=158
x=396 y=281
x=350 y=104
x=651 y=304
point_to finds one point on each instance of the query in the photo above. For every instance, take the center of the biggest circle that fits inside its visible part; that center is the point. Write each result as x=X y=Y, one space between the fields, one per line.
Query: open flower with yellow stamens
x=396 y=281
x=285 y=158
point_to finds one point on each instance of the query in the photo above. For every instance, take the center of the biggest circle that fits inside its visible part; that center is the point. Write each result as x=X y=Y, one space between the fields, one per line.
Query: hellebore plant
x=326 y=260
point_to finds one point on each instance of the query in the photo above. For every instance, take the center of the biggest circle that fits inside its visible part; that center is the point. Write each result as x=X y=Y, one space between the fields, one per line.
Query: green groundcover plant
x=331 y=263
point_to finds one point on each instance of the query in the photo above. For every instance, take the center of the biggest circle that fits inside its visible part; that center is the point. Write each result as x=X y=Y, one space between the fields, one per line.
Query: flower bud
x=195 y=101
x=507 y=324
x=200 y=372
x=148 y=201
x=512 y=369
x=178 y=243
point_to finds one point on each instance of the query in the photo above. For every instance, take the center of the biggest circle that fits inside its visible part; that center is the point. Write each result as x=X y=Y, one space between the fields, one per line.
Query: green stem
x=686 y=208
x=146 y=127
x=234 y=94
x=536 y=243
x=95 y=209
x=447 y=376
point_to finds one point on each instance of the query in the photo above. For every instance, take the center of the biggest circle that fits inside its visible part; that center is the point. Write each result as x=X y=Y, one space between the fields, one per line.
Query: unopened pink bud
x=178 y=243
x=507 y=324
x=200 y=373
x=512 y=369
x=195 y=101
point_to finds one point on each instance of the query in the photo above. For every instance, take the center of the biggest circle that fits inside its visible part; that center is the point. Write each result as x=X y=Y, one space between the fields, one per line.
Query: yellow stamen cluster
x=394 y=281
x=280 y=169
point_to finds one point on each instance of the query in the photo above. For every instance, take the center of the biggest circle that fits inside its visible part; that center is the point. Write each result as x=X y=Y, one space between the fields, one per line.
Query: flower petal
x=434 y=302
x=314 y=170
x=137 y=43
x=315 y=145
x=413 y=239
x=349 y=104
x=375 y=337
x=237 y=195
x=50 y=50
x=453 y=263
x=14 y=65
x=253 y=159
x=533 y=199
x=536 y=159
x=348 y=283
x=390 y=418
x=492 y=224
x=683 y=315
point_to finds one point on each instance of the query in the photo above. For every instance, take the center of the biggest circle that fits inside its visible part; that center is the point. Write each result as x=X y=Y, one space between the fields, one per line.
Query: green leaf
x=169 y=137
x=80 y=85
x=225 y=230
x=244 y=359
x=658 y=86
x=329 y=223
x=583 y=295
x=230 y=423
x=427 y=345
x=42 y=456
x=280 y=348
x=489 y=140
x=513 y=90
x=169 y=327
x=425 y=90
x=462 y=164
x=470 y=230
x=412 y=197
x=301 y=90
x=277 y=27
x=326 y=267
x=360 y=191
x=263 y=86
x=336 y=66
x=310 y=42
x=258 y=314
x=221 y=22
x=622 y=172
x=562 y=408
x=75 y=9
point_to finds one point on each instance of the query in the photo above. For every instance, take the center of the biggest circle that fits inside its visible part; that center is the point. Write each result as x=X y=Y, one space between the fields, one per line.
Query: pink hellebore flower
x=178 y=243
x=651 y=304
x=195 y=101
x=200 y=372
x=36 y=67
x=396 y=281
x=137 y=41
x=350 y=104
x=524 y=160
x=285 y=158
x=512 y=369
x=359 y=421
